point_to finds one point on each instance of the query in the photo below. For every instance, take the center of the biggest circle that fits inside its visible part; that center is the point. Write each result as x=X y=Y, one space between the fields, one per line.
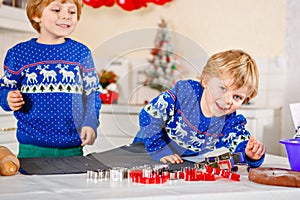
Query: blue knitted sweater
x=60 y=89
x=174 y=123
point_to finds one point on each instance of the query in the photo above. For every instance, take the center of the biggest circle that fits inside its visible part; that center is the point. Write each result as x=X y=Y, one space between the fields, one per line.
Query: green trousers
x=31 y=151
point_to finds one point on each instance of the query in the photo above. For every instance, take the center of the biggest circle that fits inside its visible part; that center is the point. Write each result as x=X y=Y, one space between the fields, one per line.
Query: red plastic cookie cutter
x=224 y=173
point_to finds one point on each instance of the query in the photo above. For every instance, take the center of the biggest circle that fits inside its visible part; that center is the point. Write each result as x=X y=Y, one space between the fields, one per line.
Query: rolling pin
x=9 y=163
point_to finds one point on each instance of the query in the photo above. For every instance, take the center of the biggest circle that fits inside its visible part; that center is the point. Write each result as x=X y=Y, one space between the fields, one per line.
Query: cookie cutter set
x=161 y=173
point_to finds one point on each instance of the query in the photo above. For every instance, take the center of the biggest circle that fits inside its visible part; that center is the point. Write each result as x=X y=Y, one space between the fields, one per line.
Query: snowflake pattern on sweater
x=60 y=88
x=174 y=123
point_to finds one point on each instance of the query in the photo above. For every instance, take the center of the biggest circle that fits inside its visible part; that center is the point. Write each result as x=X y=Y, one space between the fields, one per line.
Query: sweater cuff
x=254 y=163
x=157 y=155
x=92 y=125
x=3 y=99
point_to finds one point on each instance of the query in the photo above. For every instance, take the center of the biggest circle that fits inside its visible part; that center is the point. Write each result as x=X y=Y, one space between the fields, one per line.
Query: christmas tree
x=160 y=74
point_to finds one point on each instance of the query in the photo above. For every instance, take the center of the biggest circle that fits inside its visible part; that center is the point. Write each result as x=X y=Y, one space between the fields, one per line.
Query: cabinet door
x=119 y=125
x=8 y=121
x=7 y=133
x=251 y=126
x=115 y=130
x=264 y=124
x=9 y=140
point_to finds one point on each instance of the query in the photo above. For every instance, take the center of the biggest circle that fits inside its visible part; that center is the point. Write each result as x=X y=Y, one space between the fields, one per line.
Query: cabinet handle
x=8 y=129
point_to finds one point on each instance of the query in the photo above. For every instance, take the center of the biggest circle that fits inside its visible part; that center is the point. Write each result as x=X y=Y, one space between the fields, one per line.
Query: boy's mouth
x=64 y=25
x=222 y=107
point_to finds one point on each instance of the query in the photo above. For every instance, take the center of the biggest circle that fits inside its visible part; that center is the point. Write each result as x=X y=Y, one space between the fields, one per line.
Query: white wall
x=255 y=26
x=291 y=84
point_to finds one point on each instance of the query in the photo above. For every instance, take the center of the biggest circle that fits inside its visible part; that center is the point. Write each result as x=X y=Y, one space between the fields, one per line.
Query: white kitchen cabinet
x=264 y=124
x=8 y=125
x=14 y=19
x=119 y=125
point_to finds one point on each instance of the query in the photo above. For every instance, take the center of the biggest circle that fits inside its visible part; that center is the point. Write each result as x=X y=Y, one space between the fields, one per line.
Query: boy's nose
x=228 y=98
x=65 y=15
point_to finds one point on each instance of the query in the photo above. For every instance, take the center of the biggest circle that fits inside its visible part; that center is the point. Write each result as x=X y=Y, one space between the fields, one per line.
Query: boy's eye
x=223 y=88
x=55 y=10
x=72 y=12
x=237 y=97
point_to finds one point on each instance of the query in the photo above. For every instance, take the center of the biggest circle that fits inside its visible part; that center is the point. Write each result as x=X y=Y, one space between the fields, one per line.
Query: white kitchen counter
x=78 y=187
x=119 y=124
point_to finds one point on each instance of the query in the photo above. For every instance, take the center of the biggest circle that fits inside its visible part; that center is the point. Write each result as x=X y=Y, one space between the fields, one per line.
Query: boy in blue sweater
x=195 y=117
x=51 y=85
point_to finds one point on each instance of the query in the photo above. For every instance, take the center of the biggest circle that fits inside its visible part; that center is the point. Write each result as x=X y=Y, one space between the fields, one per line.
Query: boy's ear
x=36 y=19
x=203 y=80
x=246 y=100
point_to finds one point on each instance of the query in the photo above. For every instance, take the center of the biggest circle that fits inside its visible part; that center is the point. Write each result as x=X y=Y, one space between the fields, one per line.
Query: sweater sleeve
x=10 y=81
x=152 y=120
x=91 y=99
x=235 y=138
x=3 y=97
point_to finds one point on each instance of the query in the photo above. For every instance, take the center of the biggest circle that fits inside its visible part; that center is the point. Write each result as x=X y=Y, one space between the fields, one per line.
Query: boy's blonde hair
x=35 y=8
x=236 y=65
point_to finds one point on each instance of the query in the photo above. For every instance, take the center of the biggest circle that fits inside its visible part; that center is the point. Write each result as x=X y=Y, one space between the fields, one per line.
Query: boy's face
x=220 y=97
x=58 y=20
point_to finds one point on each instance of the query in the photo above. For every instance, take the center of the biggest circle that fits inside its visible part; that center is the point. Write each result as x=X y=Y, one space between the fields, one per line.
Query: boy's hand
x=15 y=100
x=87 y=135
x=255 y=149
x=172 y=159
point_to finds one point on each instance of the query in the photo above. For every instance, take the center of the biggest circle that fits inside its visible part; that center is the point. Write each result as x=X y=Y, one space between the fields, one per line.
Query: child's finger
x=16 y=93
x=261 y=150
x=83 y=137
x=255 y=148
x=164 y=160
x=177 y=158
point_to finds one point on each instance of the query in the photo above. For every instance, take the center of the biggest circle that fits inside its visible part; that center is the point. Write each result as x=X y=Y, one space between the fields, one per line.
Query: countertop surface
x=77 y=186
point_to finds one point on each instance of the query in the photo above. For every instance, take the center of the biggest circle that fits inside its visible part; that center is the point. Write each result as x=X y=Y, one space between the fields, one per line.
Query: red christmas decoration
x=110 y=97
x=158 y=2
x=99 y=3
x=130 y=5
x=127 y=5
x=109 y=3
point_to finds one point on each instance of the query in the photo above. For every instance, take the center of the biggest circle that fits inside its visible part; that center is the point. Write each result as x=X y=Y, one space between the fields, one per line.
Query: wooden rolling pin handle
x=9 y=163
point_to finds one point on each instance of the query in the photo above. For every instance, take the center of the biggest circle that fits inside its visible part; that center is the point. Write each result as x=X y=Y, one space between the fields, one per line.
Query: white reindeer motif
x=180 y=132
x=195 y=139
x=67 y=74
x=9 y=82
x=77 y=68
x=31 y=78
x=47 y=73
x=90 y=81
x=161 y=103
x=229 y=137
x=212 y=141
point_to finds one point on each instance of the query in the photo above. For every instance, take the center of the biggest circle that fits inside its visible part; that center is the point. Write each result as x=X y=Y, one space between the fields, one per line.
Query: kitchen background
x=121 y=41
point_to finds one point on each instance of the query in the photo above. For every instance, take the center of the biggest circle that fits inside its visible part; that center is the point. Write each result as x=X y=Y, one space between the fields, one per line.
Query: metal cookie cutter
x=118 y=173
